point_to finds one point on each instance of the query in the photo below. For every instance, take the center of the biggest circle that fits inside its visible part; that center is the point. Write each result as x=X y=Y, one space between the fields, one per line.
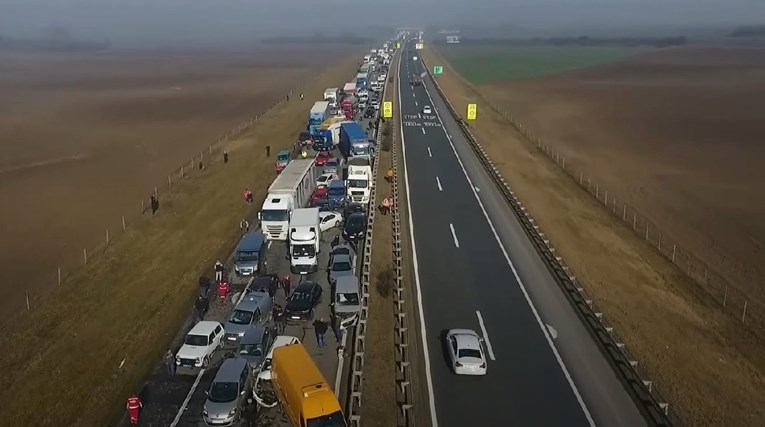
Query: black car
x=304 y=137
x=352 y=208
x=302 y=301
x=370 y=113
x=355 y=227
x=265 y=283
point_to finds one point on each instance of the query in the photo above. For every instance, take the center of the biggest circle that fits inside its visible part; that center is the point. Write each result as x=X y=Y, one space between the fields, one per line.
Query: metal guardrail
x=655 y=410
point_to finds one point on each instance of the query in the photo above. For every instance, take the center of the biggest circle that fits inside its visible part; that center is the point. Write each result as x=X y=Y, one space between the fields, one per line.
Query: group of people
x=386 y=205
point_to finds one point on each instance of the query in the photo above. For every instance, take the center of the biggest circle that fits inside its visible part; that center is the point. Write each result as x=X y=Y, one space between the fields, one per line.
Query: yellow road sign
x=398 y=45
x=387 y=109
x=472 y=111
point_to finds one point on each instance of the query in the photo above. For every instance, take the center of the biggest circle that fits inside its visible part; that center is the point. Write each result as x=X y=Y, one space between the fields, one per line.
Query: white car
x=362 y=105
x=375 y=105
x=280 y=341
x=362 y=93
x=466 y=352
x=427 y=110
x=381 y=78
x=329 y=220
x=199 y=345
x=324 y=179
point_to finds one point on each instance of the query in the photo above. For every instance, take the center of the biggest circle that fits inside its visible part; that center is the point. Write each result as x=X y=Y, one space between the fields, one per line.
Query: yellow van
x=302 y=390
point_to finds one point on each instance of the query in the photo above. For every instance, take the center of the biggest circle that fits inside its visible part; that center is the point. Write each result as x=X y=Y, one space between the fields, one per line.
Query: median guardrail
x=654 y=409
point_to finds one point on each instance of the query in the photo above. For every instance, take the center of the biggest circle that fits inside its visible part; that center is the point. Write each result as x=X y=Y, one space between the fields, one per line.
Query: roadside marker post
x=438 y=69
x=472 y=111
x=387 y=109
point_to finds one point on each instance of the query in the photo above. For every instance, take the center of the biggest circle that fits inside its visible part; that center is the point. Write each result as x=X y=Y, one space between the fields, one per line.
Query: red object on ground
x=134 y=406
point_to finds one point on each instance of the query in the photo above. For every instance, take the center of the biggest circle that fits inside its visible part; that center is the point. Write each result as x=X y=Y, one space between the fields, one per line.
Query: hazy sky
x=220 y=20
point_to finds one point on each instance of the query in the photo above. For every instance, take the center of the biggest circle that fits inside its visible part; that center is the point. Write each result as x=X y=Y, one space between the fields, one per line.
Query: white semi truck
x=291 y=190
x=331 y=94
x=358 y=184
x=305 y=238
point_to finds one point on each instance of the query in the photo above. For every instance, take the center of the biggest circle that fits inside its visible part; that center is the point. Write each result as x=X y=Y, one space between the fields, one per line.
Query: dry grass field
x=80 y=351
x=85 y=137
x=660 y=131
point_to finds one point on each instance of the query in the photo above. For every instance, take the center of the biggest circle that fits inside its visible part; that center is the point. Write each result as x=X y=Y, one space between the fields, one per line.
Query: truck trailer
x=351 y=133
x=290 y=190
x=319 y=113
x=349 y=88
x=361 y=80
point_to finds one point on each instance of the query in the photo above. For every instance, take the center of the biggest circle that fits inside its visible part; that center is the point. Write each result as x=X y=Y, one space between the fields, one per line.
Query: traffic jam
x=273 y=320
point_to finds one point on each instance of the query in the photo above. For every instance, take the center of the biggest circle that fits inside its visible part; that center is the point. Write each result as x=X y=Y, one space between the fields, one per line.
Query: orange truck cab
x=302 y=390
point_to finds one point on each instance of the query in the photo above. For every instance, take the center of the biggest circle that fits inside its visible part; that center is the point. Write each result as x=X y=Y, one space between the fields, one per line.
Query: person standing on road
x=244 y=226
x=287 y=285
x=336 y=327
x=223 y=289
x=218 y=271
x=268 y=151
x=204 y=285
x=273 y=285
x=280 y=319
x=320 y=328
x=336 y=241
x=201 y=306
x=170 y=363
x=134 y=406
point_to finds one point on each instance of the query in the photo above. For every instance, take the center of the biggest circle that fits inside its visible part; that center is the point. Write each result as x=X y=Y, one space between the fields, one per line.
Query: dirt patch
x=379 y=400
x=100 y=335
x=675 y=134
x=84 y=138
x=701 y=360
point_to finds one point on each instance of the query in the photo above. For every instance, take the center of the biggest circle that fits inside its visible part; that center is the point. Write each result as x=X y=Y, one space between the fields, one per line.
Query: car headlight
x=233 y=412
x=204 y=412
x=198 y=360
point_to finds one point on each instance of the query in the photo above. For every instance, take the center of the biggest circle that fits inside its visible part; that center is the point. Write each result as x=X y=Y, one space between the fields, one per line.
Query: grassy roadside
x=378 y=406
x=709 y=369
x=64 y=361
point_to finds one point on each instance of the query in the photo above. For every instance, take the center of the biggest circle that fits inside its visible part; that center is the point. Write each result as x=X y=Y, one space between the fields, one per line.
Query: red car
x=318 y=194
x=322 y=158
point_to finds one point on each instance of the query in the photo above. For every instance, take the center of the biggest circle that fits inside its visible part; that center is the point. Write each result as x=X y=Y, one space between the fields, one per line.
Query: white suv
x=199 y=345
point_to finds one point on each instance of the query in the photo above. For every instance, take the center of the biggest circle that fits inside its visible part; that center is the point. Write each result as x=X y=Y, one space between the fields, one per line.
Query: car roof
x=230 y=370
x=466 y=338
x=284 y=152
x=252 y=301
x=252 y=240
x=347 y=284
x=204 y=327
x=305 y=286
x=357 y=214
x=343 y=246
x=253 y=335
x=281 y=341
x=341 y=257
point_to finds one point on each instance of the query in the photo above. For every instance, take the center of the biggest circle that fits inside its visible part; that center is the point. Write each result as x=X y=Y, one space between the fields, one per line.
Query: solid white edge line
x=454 y=235
x=485 y=336
x=423 y=130
x=423 y=331
x=339 y=374
x=438 y=181
x=517 y=277
x=186 y=401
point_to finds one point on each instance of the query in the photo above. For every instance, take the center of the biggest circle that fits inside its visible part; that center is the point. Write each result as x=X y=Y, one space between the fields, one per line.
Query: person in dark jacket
x=320 y=328
x=201 y=306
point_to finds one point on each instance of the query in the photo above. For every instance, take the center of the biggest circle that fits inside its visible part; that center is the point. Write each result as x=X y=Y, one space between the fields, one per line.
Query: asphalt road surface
x=476 y=269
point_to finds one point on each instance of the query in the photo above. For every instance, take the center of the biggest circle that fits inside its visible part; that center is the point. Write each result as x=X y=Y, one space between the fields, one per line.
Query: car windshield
x=273 y=215
x=241 y=317
x=251 y=350
x=282 y=157
x=356 y=222
x=469 y=352
x=341 y=266
x=336 y=191
x=197 y=340
x=348 y=299
x=247 y=256
x=331 y=162
x=357 y=183
x=332 y=420
x=303 y=250
x=223 y=392
x=360 y=151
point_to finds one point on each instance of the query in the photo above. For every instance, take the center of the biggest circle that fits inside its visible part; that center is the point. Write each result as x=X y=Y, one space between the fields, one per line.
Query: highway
x=476 y=269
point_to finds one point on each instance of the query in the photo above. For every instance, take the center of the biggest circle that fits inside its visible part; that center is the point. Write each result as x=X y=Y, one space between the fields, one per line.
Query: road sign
x=398 y=45
x=387 y=109
x=472 y=111
x=418 y=45
x=438 y=69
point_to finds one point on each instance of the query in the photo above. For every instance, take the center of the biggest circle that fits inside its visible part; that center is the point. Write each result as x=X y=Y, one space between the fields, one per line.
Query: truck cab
x=275 y=215
x=305 y=240
x=363 y=149
x=358 y=183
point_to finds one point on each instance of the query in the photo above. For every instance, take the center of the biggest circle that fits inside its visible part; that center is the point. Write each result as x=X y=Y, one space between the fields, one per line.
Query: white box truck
x=358 y=183
x=331 y=94
x=305 y=238
x=290 y=190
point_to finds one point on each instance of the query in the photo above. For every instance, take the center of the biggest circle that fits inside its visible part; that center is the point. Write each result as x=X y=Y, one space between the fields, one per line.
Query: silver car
x=340 y=265
x=227 y=394
x=253 y=310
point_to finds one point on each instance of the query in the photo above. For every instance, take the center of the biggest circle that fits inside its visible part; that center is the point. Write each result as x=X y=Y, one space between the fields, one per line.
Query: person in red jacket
x=134 y=406
x=223 y=290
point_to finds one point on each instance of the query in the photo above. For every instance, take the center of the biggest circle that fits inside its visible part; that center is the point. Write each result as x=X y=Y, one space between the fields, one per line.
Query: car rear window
x=469 y=352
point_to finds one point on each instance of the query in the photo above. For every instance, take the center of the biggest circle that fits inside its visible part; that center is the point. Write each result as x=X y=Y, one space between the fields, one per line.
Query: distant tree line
x=54 y=39
x=352 y=39
x=749 y=31
x=574 y=41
